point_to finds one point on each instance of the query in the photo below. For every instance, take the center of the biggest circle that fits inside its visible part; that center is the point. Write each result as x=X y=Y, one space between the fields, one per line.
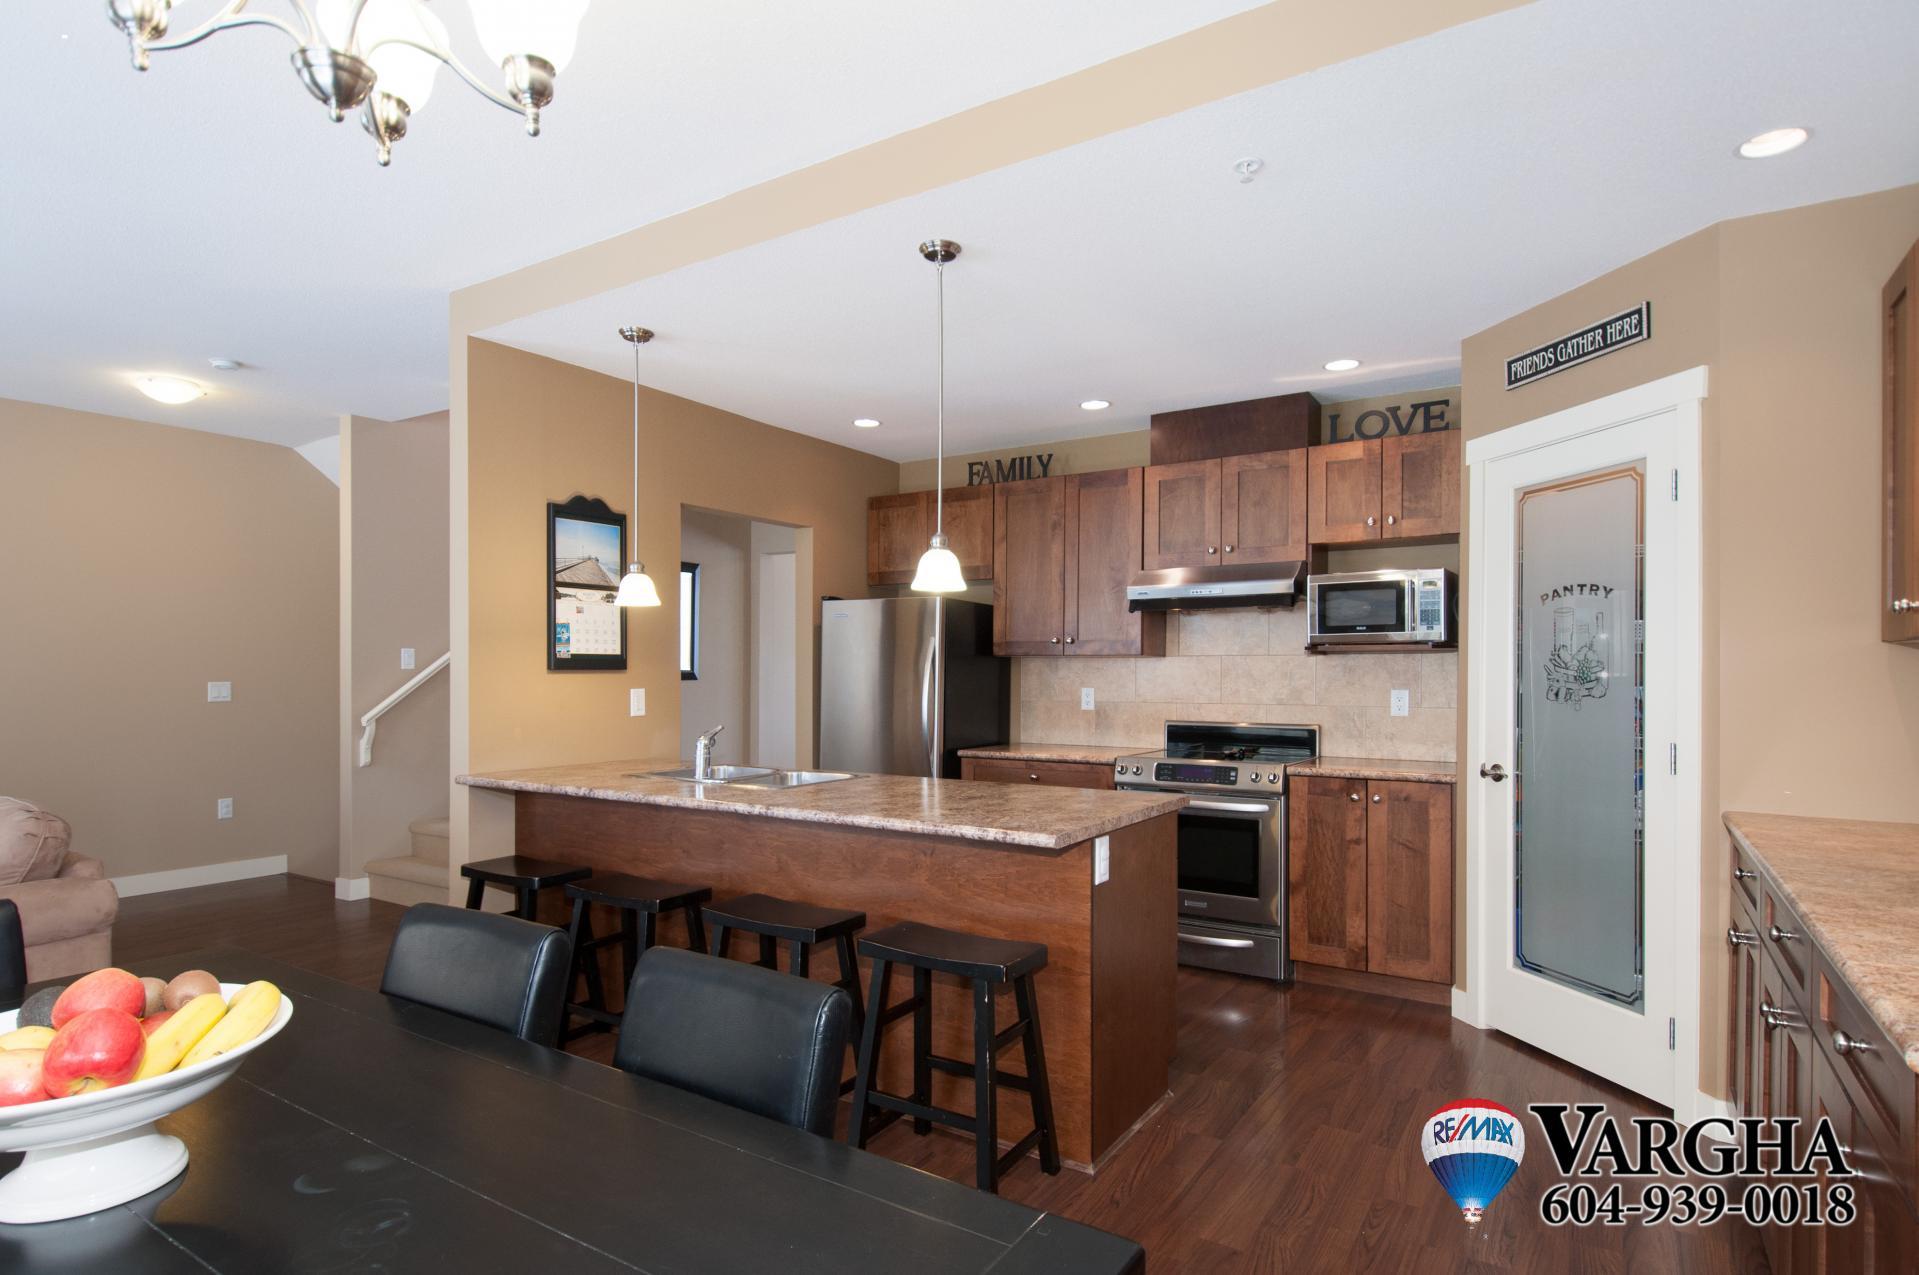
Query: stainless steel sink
x=794 y=778
x=717 y=775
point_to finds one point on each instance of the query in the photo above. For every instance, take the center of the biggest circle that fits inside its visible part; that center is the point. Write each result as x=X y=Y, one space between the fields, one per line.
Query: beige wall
x=138 y=563
x=722 y=545
x=1807 y=712
x=393 y=594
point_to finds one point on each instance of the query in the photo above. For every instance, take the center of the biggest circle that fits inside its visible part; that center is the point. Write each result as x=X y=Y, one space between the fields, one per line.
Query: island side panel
x=1135 y=967
x=980 y=887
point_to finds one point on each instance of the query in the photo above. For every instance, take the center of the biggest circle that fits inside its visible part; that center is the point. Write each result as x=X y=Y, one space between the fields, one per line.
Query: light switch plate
x=636 y=702
x=406 y=657
x=1086 y=698
x=1402 y=703
x=223 y=808
x=219 y=692
x=1102 y=859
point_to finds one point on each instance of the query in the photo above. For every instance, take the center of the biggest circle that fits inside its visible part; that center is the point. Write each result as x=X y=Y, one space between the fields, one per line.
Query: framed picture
x=585 y=553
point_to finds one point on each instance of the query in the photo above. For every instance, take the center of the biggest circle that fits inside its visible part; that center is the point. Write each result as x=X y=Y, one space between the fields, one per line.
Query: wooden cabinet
x=1370 y=876
x=1060 y=774
x=1899 y=351
x=1205 y=513
x=899 y=527
x=1064 y=551
x=1401 y=487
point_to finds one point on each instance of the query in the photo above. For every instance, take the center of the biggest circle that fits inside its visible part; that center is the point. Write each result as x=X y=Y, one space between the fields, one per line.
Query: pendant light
x=939 y=569
x=636 y=587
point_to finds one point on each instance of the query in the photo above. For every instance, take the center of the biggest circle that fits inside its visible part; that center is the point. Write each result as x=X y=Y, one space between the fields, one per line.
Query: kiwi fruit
x=156 y=991
x=185 y=987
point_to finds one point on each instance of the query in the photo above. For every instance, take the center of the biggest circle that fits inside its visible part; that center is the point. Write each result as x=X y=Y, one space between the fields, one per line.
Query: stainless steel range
x=1232 y=837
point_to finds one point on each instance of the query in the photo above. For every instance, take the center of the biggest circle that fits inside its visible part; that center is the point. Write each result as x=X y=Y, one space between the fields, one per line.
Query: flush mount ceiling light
x=1094 y=405
x=1342 y=365
x=1774 y=142
x=636 y=587
x=939 y=569
x=224 y=364
x=866 y=422
x=171 y=390
x=380 y=56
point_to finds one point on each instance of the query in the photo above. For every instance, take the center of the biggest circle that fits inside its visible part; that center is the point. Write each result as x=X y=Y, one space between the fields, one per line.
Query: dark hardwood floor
x=1290 y=1142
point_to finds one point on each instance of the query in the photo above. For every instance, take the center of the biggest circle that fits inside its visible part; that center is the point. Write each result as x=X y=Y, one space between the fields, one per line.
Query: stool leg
x=528 y=905
x=629 y=950
x=850 y=978
x=475 y=891
x=769 y=953
x=985 y=1093
x=718 y=945
x=695 y=928
x=869 y=1053
x=1041 y=1090
x=649 y=930
x=798 y=958
x=922 y=1044
x=586 y=963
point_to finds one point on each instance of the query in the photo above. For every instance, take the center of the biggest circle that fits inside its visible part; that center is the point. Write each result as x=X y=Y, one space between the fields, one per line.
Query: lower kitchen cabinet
x=1060 y=774
x=1370 y=876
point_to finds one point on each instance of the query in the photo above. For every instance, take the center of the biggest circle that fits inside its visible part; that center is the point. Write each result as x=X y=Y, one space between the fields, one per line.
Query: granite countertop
x=1096 y=754
x=1855 y=884
x=1045 y=818
x=1431 y=772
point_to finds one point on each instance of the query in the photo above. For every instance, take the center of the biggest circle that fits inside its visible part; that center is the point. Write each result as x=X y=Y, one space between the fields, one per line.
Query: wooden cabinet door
x=969 y=530
x=1900 y=354
x=1419 y=484
x=1326 y=871
x=897 y=528
x=1342 y=492
x=1182 y=515
x=1105 y=519
x=1409 y=880
x=1262 y=507
x=1745 y=1076
x=1029 y=567
x=1785 y=1055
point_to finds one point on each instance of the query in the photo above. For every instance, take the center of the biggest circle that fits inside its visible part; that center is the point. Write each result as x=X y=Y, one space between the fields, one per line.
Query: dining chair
x=13 y=957
x=494 y=969
x=750 y=1037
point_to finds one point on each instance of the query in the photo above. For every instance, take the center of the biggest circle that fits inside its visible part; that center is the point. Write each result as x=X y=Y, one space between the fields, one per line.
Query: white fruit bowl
x=96 y=1150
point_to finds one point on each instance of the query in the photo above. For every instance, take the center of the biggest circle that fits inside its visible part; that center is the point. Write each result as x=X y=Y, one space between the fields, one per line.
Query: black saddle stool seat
x=640 y=901
x=522 y=874
x=989 y=964
x=800 y=926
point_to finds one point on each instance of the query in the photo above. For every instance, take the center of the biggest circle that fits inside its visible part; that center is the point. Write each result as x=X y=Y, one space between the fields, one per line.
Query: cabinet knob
x=1376 y=799
x=1371 y=521
x=1352 y=796
x=1229 y=548
x=1741 y=938
x=1844 y=1042
x=1211 y=549
x=1902 y=605
x=1776 y=1017
x=1034 y=778
x=1778 y=935
x=1070 y=641
x=1743 y=874
x=1391 y=519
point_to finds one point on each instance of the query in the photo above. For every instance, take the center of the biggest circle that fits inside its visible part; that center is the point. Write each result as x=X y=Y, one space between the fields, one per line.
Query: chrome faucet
x=703 y=755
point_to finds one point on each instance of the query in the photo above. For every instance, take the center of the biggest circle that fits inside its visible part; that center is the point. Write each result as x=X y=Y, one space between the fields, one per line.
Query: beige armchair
x=67 y=906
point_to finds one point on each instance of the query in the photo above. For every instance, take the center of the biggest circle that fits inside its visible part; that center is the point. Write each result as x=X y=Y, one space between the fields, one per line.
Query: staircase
x=419 y=877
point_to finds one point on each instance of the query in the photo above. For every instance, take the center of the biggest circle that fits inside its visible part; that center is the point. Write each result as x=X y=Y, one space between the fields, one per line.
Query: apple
x=151 y=1023
x=97 y=1049
x=109 y=988
x=20 y=1076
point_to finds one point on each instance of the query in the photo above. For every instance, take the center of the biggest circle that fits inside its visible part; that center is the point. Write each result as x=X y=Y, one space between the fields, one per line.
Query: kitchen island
x=993 y=859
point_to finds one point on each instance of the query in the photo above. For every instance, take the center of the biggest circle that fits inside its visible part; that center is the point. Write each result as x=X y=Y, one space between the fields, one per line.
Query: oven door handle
x=1206 y=940
x=1231 y=807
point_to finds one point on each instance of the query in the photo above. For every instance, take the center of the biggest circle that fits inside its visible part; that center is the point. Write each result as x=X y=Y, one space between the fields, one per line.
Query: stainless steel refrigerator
x=905 y=683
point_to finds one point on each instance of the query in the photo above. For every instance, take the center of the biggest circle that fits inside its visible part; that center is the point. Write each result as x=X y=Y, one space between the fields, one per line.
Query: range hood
x=1262 y=584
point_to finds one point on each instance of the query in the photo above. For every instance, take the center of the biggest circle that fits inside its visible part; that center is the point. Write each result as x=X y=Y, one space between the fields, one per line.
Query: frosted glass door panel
x=1579 y=806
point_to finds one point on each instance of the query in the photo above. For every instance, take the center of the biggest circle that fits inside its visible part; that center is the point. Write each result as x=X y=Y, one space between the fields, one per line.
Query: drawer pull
x=1778 y=935
x=1902 y=605
x=1744 y=874
x=1207 y=940
x=1034 y=778
x=1776 y=1017
x=1741 y=938
x=1844 y=1042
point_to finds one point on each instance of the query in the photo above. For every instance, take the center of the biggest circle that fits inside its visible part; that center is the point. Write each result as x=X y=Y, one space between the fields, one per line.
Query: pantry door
x=1583 y=729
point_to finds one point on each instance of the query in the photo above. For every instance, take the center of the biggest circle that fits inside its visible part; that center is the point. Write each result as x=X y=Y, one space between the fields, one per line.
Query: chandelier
x=380 y=57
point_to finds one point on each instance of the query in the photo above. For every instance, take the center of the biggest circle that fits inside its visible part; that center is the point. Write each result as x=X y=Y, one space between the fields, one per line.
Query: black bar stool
x=640 y=901
x=525 y=876
x=800 y=926
x=989 y=963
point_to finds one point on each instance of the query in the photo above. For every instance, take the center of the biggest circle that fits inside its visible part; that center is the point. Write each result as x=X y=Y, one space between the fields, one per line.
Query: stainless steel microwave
x=1378 y=607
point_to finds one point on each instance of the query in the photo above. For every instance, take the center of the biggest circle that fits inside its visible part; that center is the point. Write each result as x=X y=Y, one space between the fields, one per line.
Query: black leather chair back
x=13 y=957
x=750 y=1037
x=494 y=969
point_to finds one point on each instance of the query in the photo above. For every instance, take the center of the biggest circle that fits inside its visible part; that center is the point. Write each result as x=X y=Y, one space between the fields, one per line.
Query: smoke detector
x=1247 y=168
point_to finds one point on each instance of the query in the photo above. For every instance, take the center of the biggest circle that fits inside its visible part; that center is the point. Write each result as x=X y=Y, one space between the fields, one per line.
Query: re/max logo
x=1488 y=1128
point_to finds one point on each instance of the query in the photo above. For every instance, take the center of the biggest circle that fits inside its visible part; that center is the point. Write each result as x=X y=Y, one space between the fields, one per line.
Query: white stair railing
x=371 y=718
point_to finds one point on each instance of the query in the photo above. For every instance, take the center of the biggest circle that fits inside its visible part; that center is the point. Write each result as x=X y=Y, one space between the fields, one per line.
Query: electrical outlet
x=636 y=702
x=1102 y=859
x=223 y=808
x=219 y=692
x=1086 y=698
x=1402 y=703
x=406 y=657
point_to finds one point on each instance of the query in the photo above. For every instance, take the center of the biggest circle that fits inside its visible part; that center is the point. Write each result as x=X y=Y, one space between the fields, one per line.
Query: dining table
x=377 y=1134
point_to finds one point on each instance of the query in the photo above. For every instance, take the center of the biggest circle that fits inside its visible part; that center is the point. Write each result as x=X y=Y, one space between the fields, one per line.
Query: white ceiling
x=1409 y=198
x=207 y=208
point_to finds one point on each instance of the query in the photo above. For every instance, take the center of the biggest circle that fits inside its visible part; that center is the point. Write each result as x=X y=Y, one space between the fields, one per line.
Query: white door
x=1582 y=736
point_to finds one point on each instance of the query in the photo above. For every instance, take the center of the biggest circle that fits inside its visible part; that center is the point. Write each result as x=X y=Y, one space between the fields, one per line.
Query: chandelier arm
x=498 y=99
x=227 y=22
x=353 y=23
x=314 y=34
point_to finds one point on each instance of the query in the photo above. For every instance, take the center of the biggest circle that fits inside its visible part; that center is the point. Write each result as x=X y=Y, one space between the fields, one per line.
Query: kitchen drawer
x=1059 y=774
x=1783 y=934
x=1747 y=884
x=1877 y=1077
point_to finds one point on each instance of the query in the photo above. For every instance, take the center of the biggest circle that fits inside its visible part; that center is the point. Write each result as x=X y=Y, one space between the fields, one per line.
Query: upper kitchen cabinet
x=898 y=528
x=1899 y=600
x=1203 y=513
x=1064 y=551
x=1401 y=487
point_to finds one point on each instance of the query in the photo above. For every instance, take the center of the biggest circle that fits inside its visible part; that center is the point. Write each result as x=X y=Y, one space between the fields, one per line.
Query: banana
x=172 y=1039
x=248 y=1014
x=27 y=1038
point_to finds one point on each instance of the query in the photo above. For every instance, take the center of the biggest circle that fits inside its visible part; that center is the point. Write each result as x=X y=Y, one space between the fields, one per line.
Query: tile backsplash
x=1246 y=666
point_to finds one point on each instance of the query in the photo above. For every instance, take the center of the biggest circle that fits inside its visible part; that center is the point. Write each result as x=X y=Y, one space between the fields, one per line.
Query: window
x=689 y=621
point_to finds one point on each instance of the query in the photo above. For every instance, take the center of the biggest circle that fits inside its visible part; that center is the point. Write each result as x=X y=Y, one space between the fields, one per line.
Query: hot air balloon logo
x=1473 y=1147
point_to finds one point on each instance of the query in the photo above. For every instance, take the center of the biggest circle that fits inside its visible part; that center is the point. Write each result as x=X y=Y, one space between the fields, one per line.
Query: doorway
x=739 y=657
x=1583 y=733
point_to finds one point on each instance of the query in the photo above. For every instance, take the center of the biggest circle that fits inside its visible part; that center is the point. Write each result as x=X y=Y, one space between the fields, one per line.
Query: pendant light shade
x=636 y=587
x=939 y=569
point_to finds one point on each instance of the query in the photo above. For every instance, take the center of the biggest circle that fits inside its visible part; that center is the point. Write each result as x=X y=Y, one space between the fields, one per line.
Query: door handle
x=1778 y=935
x=1844 y=1042
x=1494 y=772
x=1743 y=874
x=1902 y=605
x=1741 y=938
x=1207 y=940
x=1230 y=807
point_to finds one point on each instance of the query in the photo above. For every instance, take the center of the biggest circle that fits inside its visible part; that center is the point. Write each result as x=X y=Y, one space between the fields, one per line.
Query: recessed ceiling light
x=173 y=390
x=1775 y=142
x=866 y=422
x=1094 y=405
x=1342 y=365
